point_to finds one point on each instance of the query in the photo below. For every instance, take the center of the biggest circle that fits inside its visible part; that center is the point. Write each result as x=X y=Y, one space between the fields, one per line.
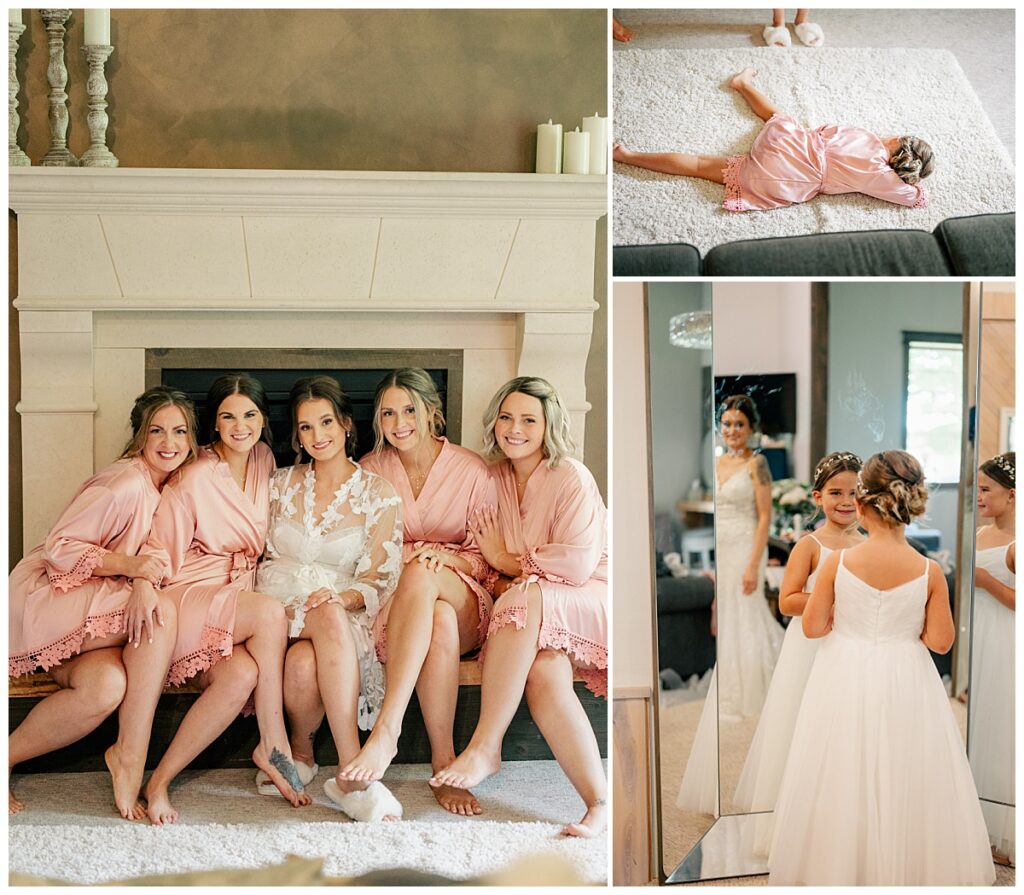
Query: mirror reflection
x=807 y=382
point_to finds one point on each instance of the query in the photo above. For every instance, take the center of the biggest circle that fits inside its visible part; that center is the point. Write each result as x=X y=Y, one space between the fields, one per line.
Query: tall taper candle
x=597 y=127
x=97 y=27
x=576 y=159
x=549 y=148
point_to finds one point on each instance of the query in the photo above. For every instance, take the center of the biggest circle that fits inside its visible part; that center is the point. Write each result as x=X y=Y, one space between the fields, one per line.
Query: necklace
x=418 y=476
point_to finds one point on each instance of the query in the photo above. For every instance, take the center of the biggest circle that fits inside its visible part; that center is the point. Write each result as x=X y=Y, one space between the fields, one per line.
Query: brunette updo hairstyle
x=146 y=405
x=833 y=464
x=1002 y=469
x=913 y=159
x=422 y=392
x=892 y=483
x=237 y=384
x=745 y=405
x=316 y=388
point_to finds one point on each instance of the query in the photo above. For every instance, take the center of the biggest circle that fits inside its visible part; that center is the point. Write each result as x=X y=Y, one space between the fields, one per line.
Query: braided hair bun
x=892 y=483
x=913 y=159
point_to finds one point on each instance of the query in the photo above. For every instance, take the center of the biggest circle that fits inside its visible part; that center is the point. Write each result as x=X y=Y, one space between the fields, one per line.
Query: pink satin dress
x=458 y=484
x=210 y=535
x=788 y=164
x=560 y=532
x=54 y=599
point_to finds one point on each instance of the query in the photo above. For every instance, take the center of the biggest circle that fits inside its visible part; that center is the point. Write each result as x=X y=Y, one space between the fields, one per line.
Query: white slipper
x=776 y=34
x=368 y=805
x=265 y=786
x=810 y=34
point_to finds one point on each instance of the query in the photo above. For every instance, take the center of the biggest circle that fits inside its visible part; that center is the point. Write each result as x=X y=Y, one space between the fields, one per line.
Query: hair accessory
x=1006 y=465
x=835 y=459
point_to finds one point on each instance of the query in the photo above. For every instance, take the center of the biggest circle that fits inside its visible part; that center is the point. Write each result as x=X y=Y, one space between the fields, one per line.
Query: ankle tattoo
x=286 y=769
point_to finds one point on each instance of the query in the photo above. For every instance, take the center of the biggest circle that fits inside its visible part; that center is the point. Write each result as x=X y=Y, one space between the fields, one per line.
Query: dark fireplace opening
x=358 y=373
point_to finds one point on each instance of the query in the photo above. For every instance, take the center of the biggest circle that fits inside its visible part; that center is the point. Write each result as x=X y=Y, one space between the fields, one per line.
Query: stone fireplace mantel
x=114 y=262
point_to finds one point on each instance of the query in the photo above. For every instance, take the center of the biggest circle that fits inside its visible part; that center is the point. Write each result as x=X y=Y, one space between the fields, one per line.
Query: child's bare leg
x=779 y=17
x=708 y=167
x=801 y=17
x=760 y=105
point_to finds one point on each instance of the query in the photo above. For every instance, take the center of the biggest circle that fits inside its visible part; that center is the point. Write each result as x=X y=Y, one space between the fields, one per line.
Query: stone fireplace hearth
x=115 y=263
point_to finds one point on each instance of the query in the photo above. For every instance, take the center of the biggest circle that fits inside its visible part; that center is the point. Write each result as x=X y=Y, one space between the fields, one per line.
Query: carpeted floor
x=679 y=100
x=69 y=831
x=681 y=829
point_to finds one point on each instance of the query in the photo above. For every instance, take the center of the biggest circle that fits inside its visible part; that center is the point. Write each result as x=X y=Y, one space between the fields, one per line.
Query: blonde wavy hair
x=892 y=483
x=422 y=392
x=558 y=440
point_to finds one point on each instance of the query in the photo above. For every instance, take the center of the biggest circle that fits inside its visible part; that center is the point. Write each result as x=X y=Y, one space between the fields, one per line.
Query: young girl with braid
x=788 y=164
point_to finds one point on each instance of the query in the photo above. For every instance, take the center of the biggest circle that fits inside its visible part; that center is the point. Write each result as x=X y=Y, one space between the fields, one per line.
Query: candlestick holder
x=57 y=76
x=97 y=155
x=15 y=156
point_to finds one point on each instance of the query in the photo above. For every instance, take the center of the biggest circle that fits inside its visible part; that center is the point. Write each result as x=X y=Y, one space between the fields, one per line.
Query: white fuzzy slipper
x=776 y=35
x=368 y=805
x=265 y=786
x=810 y=34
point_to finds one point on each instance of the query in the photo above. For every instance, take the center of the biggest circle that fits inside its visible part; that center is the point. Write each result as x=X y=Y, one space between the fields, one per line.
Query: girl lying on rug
x=788 y=164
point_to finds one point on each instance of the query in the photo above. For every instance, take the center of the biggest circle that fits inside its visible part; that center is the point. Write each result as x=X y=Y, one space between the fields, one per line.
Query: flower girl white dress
x=877 y=789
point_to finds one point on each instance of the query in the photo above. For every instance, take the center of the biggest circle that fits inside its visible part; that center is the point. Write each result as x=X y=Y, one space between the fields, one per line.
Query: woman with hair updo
x=334 y=554
x=991 y=706
x=208 y=533
x=877 y=789
x=547 y=538
x=442 y=604
x=788 y=164
x=78 y=607
x=748 y=636
x=834 y=491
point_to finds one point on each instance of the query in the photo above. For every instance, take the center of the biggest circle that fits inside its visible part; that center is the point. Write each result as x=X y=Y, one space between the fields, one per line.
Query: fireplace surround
x=116 y=267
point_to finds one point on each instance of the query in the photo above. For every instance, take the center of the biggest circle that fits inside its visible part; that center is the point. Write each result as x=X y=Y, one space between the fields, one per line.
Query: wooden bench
x=234 y=747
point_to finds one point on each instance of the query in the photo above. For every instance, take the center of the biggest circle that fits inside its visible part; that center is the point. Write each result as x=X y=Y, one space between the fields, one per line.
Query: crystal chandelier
x=691 y=330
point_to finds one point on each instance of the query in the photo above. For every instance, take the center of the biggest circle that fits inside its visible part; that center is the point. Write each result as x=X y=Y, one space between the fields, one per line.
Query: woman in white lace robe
x=334 y=555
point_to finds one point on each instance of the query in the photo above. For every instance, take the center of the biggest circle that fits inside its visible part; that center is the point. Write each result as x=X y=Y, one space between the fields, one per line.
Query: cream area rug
x=69 y=830
x=680 y=100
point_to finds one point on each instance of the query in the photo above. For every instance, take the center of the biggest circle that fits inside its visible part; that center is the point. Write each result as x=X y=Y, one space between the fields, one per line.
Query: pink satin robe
x=560 y=532
x=55 y=602
x=458 y=484
x=788 y=164
x=210 y=536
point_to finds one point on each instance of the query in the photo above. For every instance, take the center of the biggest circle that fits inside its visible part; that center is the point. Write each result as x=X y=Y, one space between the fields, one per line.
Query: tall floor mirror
x=818 y=367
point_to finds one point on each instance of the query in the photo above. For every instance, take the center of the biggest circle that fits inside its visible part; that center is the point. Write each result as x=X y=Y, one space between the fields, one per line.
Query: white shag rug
x=679 y=100
x=70 y=832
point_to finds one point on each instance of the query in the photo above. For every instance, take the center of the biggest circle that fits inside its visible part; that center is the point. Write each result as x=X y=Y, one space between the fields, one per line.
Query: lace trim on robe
x=731 y=176
x=66 y=646
x=530 y=567
x=922 y=199
x=214 y=645
x=79 y=573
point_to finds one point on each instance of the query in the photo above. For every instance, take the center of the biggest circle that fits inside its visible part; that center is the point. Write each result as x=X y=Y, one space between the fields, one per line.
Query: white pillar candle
x=14 y=17
x=597 y=127
x=576 y=158
x=97 y=27
x=549 y=148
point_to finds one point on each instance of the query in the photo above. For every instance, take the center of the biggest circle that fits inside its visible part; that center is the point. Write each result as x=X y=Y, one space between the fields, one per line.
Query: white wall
x=766 y=328
x=632 y=588
x=676 y=393
x=866 y=325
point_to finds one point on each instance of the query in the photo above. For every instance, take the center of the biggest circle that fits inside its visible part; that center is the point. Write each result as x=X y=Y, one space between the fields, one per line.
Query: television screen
x=773 y=393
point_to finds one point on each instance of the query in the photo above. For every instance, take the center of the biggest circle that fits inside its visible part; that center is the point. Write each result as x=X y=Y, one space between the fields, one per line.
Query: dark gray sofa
x=684 y=624
x=978 y=245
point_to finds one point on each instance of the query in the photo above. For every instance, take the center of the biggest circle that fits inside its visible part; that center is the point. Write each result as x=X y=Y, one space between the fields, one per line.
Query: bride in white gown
x=334 y=556
x=748 y=636
x=990 y=702
x=877 y=789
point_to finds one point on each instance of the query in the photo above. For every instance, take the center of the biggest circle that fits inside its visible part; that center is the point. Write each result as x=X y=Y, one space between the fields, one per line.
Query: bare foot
x=373 y=759
x=13 y=805
x=469 y=769
x=160 y=809
x=127 y=781
x=359 y=786
x=453 y=799
x=282 y=773
x=620 y=31
x=593 y=823
x=744 y=79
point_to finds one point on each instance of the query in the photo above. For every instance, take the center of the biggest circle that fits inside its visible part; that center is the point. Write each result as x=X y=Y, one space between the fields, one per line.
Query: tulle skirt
x=877 y=789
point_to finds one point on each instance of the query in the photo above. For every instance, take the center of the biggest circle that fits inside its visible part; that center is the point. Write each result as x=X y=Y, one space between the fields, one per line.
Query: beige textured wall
x=387 y=90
